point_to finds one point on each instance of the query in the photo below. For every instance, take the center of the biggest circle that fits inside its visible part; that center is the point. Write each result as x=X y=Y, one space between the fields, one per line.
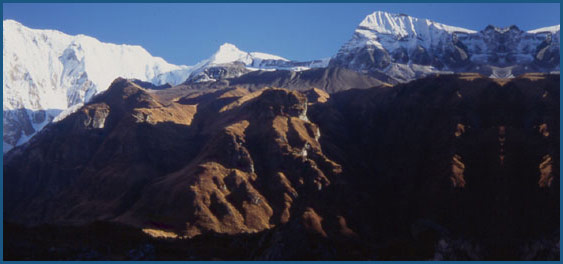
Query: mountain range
x=45 y=72
x=450 y=167
x=416 y=141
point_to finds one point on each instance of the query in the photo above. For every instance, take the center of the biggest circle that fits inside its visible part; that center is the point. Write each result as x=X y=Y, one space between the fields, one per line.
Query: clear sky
x=187 y=33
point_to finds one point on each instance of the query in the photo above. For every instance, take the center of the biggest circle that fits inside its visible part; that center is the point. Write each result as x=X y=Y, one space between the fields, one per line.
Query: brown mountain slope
x=190 y=166
x=447 y=167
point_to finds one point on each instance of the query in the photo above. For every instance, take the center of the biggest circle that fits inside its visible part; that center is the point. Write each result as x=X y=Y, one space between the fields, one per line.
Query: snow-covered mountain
x=406 y=48
x=62 y=70
x=230 y=62
x=46 y=72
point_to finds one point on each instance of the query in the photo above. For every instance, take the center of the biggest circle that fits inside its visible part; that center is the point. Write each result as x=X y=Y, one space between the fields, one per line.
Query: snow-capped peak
x=47 y=71
x=228 y=53
x=390 y=32
x=229 y=61
x=403 y=25
x=64 y=70
x=405 y=48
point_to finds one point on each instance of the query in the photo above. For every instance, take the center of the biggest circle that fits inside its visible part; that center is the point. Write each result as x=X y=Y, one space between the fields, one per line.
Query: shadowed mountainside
x=457 y=167
x=331 y=80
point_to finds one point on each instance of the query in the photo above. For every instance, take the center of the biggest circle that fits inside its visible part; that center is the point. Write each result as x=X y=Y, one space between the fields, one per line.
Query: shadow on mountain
x=22 y=123
x=475 y=160
x=331 y=79
x=454 y=167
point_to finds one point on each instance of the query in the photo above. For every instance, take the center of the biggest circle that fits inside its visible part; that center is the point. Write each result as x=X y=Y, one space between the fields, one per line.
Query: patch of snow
x=266 y=56
x=551 y=29
x=67 y=112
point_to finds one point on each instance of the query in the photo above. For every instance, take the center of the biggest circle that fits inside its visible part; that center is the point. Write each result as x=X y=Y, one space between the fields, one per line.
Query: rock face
x=449 y=167
x=406 y=48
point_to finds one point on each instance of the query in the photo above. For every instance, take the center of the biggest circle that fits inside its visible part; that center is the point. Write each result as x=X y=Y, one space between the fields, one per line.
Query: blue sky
x=187 y=33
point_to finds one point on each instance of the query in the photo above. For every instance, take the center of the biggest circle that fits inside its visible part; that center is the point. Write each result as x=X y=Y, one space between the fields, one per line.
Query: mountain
x=229 y=62
x=46 y=71
x=460 y=166
x=449 y=167
x=416 y=141
x=208 y=141
x=406 y=48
